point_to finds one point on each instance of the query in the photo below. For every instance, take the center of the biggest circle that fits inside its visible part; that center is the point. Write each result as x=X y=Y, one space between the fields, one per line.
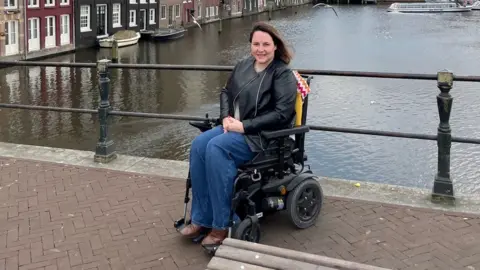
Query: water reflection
x=363 y=38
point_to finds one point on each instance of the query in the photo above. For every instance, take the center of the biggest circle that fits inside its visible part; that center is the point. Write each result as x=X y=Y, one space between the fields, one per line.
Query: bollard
x=115 y=51
x=105 y=150
x=443 y=185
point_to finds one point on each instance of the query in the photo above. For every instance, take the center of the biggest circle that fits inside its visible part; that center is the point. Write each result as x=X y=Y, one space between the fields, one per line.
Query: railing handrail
x=105 y=150
x=318 y=72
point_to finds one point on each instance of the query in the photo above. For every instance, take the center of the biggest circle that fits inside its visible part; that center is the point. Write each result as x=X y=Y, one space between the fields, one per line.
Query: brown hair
x=282 y=52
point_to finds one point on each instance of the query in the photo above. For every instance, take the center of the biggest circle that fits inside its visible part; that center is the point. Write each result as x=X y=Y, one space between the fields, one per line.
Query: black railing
x=105 y=149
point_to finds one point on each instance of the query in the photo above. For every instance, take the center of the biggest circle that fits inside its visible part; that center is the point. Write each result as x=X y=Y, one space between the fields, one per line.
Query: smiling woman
x=259 y=96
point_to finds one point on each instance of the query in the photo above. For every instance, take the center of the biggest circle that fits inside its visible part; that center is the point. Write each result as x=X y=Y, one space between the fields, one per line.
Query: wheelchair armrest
x=284 y=132
x=201 y=125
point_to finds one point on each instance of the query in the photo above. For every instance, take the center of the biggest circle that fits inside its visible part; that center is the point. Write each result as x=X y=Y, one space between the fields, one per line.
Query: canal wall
x=178 y=170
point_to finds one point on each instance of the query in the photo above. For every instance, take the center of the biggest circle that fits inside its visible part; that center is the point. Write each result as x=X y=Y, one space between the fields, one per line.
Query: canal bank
x=178 y=170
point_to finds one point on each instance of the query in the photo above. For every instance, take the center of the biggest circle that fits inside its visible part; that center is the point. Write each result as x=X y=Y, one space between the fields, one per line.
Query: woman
x=259 y=96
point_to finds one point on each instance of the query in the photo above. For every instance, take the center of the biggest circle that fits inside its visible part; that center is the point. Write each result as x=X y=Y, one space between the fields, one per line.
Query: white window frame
x=212 y=11
x=49 y=3
x=62 y=25
x=153 y=1
x=33 y=3
x=151 y=16
x=134 y=13
x=177 y=10
x=133 y=2
x=207 y=12
x=86 y=28
x=216 y=10
x=163 y=12
x=119 y=13
x=10 y=5
x=199 y=13
x=64 y=2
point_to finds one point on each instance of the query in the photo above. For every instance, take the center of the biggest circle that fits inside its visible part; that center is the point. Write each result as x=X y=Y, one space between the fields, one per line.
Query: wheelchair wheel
x=304 y=203
x=246 y=231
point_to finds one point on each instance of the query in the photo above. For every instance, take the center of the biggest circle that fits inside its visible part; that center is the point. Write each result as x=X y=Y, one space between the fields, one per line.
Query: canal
x=364 y=38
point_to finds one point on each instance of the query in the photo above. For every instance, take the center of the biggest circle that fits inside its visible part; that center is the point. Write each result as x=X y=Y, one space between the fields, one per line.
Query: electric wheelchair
x=275 y=179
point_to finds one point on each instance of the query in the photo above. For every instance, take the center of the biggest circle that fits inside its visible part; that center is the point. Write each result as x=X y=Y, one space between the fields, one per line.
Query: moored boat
x=476 y=6
x=427 y=7
x=123 y=38
x=164 y=34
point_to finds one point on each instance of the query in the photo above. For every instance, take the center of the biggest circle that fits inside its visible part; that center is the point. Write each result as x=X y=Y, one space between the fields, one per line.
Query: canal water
x=363 y=38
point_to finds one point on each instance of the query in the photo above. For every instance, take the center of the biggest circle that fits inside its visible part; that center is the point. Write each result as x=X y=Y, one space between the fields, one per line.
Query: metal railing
x=105 y=152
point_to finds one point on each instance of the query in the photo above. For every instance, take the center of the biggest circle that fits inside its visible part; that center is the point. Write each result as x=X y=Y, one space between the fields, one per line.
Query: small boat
x=427 y=7
x=123 y=38
x=164 y=34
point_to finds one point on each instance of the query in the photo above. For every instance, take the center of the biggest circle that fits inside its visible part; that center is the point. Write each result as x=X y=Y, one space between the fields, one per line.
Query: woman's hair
x=282 y=52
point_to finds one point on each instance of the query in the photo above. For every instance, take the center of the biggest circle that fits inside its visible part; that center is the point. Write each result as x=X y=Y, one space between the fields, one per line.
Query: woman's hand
x=232 y=124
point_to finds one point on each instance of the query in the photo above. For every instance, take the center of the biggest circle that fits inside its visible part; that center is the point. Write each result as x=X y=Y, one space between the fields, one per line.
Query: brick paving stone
x=55 y=216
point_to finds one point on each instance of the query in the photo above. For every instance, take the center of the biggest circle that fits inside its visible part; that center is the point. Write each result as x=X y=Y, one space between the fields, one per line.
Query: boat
x=123 y=37
x=164 y=34
x=427 y=7
x=476 y=6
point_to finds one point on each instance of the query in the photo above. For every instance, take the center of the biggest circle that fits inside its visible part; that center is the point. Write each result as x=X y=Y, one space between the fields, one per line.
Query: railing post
x=115 y=51
x=105 y=150
x=443 y=185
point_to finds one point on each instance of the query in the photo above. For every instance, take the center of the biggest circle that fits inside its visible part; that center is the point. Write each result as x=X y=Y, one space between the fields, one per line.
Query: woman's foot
x=191 y=231
x=215 y=238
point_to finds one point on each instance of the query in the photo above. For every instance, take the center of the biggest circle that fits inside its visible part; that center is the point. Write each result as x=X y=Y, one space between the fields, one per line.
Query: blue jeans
x=214 y=159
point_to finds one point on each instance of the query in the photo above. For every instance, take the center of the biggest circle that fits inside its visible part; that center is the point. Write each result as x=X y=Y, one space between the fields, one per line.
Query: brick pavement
x=54 y=216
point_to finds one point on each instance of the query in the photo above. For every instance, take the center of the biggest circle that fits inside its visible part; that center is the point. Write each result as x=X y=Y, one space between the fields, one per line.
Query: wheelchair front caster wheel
x=246 y=231
x=304 y=203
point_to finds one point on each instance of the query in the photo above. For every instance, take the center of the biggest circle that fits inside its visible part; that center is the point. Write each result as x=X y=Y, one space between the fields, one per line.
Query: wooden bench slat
x=298 y=256
x=218 y=263
x=264 y=260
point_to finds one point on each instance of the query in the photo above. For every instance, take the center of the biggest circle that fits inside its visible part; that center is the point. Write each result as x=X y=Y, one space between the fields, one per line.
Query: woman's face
x=262 y=47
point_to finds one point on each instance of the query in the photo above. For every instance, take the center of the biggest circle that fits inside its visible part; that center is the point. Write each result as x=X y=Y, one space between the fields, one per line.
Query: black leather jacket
x=266 y=99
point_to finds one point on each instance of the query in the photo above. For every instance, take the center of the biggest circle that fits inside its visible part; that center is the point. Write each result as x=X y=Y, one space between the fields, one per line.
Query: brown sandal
x=191 y=231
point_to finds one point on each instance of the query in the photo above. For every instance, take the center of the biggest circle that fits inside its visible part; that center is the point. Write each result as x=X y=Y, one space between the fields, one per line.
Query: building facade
x=250 y=7
x=12 y=30
x=143 y=15
x=209 y=9
x=188 y=7
x=171 y=13
x=49 y=27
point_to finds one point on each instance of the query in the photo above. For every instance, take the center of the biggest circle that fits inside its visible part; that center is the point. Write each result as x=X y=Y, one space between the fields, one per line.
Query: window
x=10 y=4
x=177 y=10
x=152 y=1
x=133 y=18
x=85 y=19
x=163 y=12
x=216 y=10
x=133 y=1
x=64 y=2
x=32 y=3
x=212 y=11
x=152 y=16
x=116 y=15
x=49 y=3
x=199 y=14
x=207 y=12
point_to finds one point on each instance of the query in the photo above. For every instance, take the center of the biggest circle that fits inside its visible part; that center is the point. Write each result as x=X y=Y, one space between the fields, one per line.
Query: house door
x=101 y=20
x=170 y=15
x=64 y=29
x=143 y=19
x=33 y=34
x=50 y=36
x=11 y=37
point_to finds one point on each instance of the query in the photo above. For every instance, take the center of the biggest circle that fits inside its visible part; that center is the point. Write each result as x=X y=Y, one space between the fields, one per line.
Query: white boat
x=427 y=7
x=476 y=6
x=108 y=42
